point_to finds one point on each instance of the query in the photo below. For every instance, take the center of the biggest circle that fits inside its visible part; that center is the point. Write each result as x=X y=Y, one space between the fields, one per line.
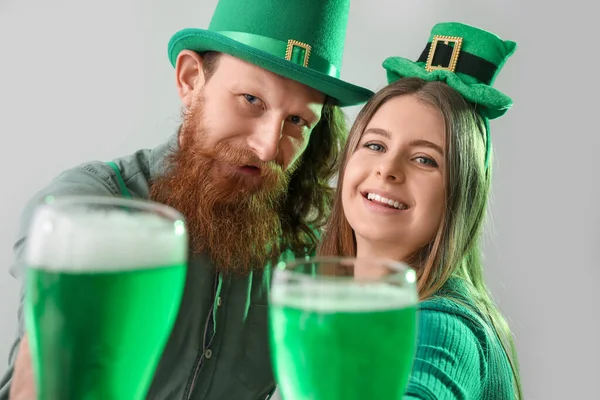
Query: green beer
x=342 y=340
x=103 y=289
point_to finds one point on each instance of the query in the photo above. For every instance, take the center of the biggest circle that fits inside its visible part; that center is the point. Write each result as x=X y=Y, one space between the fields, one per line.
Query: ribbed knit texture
x=458 y=356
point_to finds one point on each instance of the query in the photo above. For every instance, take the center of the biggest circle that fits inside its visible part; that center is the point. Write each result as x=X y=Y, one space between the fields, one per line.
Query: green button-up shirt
x=218 y=348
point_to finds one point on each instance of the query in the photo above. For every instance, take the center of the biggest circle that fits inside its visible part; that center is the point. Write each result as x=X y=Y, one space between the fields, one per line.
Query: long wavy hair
x=310 y=194
x=455 y=250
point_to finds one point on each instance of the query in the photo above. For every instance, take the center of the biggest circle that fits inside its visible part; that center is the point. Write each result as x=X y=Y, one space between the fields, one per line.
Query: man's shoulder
x=136 y=169
x=97 y=178
x=85 y=177
x=90 y=178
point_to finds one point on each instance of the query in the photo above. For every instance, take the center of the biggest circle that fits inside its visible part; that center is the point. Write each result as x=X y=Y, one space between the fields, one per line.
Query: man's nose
x=265 y=139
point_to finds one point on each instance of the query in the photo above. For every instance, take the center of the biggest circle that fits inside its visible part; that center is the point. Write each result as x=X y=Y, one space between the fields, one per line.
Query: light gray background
x=91 y=80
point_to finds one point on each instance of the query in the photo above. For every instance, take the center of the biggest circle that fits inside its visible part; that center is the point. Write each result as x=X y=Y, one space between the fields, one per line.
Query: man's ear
x=189 y=75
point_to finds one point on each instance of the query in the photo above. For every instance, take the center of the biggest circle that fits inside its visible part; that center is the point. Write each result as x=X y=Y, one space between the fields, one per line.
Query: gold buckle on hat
x=453 y=58
x=290 y=48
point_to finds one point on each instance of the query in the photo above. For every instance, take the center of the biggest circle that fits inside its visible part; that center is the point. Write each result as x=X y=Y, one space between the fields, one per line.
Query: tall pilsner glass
x=343 y=328
x=104 y=282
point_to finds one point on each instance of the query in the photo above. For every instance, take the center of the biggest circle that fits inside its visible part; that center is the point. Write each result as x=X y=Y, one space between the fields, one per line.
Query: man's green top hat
x=301 y=40
x=467 y=58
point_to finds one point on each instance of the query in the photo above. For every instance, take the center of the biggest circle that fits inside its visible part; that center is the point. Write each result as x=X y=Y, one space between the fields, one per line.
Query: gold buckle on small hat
x=290 y=48
x=453 y=58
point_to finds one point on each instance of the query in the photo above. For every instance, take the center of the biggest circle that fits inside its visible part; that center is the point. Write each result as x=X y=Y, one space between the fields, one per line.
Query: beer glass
x=104 y=281
x=342 y=328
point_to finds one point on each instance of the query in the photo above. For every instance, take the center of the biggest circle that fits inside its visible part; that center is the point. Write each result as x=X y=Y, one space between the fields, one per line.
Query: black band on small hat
x=467 y=63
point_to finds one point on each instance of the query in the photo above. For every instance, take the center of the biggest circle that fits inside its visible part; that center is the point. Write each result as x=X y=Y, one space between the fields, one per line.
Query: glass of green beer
x=343 y=328
x=104 y=281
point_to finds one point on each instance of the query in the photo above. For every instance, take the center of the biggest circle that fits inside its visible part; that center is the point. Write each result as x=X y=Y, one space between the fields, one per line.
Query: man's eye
x=252 y=99
x=296 y=120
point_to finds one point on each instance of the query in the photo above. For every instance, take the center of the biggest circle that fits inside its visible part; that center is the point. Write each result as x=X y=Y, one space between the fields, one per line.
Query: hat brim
x=201 y=40
x=489 y=101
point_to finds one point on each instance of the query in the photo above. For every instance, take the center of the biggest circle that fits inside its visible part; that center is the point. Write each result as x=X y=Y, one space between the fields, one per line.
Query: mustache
x=227 y=154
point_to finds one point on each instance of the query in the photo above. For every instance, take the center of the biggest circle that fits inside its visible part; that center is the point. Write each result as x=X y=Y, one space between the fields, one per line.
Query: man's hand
x=22 y=386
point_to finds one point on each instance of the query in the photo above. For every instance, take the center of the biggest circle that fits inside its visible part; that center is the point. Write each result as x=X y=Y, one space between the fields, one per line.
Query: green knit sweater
x=458 y=356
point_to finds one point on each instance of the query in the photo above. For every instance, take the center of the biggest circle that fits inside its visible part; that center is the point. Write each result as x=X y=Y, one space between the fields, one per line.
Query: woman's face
x=393 y=188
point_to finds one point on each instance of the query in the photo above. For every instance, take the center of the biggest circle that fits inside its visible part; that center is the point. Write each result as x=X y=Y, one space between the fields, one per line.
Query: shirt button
x=219 y=301
x=208 y=353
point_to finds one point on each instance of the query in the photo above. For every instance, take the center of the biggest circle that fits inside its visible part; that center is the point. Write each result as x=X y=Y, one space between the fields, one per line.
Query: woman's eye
x=426 y=161
x=374 y=146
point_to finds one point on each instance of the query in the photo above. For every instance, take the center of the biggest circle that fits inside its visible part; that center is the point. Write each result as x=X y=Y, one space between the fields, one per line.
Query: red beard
x=231 y=215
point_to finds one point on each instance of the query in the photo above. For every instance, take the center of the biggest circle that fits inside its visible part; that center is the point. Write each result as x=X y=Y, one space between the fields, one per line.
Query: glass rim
x=158 y=241
x=63 y=202
x=401 y=270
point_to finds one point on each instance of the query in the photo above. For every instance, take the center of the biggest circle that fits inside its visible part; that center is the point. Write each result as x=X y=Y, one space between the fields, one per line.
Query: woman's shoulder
x=447 y=318
x=454 y=300
x=456 y=307
x=451 y=320
x=453 y=312
x=457 y=343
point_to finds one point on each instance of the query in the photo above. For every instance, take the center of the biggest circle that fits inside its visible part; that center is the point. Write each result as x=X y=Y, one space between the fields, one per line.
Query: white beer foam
x=349 y=296
x=103 y=241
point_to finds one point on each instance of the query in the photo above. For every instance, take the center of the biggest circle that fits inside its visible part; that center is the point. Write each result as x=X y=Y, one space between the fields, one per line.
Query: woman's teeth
x=384 y=200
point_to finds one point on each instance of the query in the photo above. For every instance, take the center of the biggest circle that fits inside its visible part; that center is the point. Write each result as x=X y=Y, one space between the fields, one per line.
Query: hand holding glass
x=104 y=282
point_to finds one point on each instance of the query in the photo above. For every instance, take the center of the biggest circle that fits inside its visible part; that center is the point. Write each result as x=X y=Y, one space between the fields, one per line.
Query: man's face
x=244 y=131
x=250 y=108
